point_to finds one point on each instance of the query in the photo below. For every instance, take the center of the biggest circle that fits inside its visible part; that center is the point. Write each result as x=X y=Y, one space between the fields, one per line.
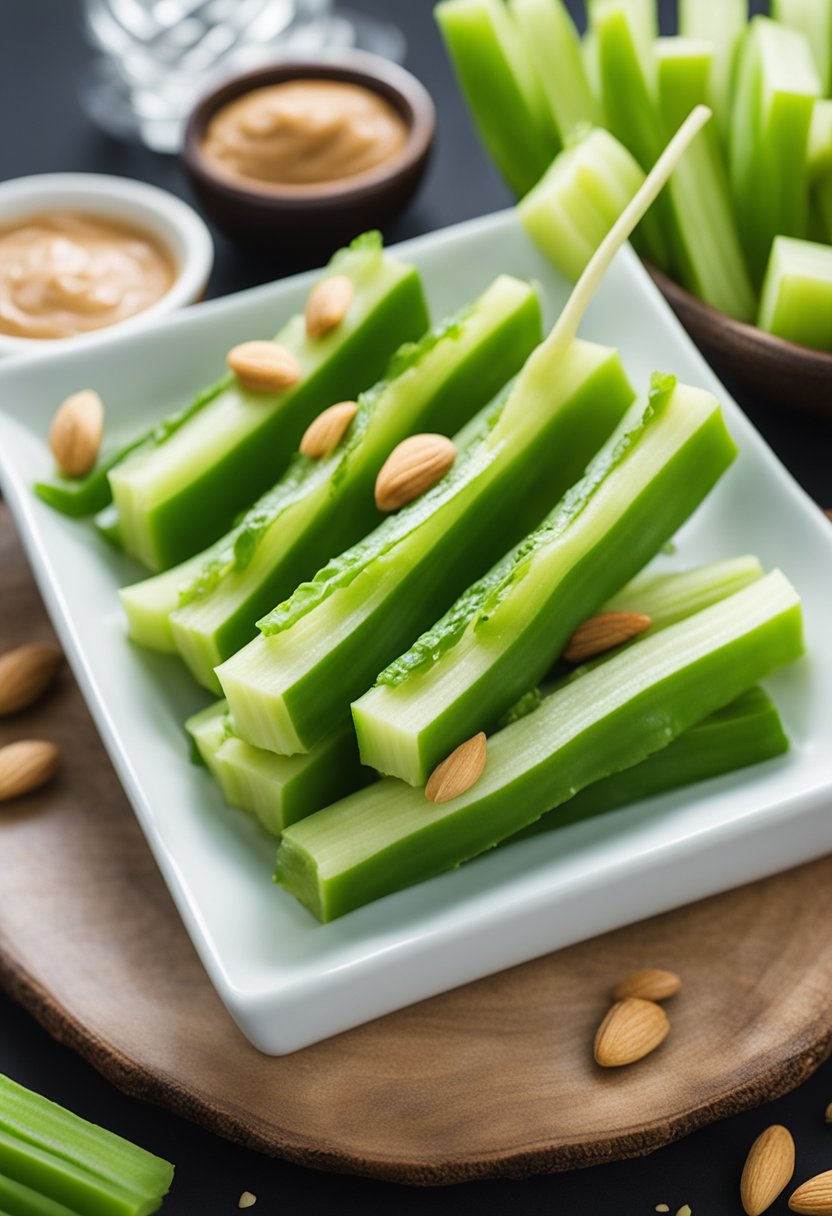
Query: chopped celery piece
x=720 y=23
x=823 y=204
x=149 y=603
x=52 y=1161
x=177 y=496
x=576 y=202
x=668 y=598
x=554 y=48
x=813 y=18
x=776 y=85
x=505 y=632
x=207 y=730
x=820 y=139
x=643 y=14
x=320 y=507
x=388 y=836
x=797 y=293
x=501 y=87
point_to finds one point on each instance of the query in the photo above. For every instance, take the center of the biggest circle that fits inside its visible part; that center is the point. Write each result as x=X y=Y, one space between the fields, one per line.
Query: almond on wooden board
x=602 y=632
x=768 y=1169
x=26 y=766
x=631 y=1030
x=459 y=771
x=264 y=367
x=651 y=984
x=325 y=432
x=412 y=467
x=813 y=1198
x=76 y=432
x=327 y=304
x=25 y=674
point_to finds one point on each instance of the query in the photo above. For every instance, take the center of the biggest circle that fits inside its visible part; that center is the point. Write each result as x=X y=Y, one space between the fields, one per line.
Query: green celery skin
x=820 y=140
x=334 y=506
x=553 y=46
x=387 y=837
x=747 y=732
x=501 y=87
x=512 y=637
x=19 y=1200
x=70 y=1162
x=797 y=293
x=288 y=690
x=813 y=18
x=183 y=521
x=721 y=24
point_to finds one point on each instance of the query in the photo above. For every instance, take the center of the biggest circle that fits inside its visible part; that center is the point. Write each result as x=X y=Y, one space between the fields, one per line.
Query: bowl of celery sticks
x=740 y=242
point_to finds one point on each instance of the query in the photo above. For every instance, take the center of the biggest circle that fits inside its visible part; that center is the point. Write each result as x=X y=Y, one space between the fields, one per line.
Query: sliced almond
x=412 y=467
x=813 y=1198
x=264 y=367
x=631 y=1030
x=768 y=1169
x=600 y=633
x=246 y=1200
x=76 y=432
x=652 y=984
x=462 y=769
x=325 y=432
x=25 y=674
x=26 y=766
x=827 y=1114
x=327 y=304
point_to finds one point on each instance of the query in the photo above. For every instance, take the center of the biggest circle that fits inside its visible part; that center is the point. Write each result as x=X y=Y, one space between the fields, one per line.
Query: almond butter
x=459 y=771
x=813 y=1198
x=327 y=305
x=325 y=432
x=25 y=674
x=652 y=984
x=768 y=1169
x=600 y=633
x=412 y=467
x=264 y=367
x=26 y=766
x=631 y=1030
x=76 y=431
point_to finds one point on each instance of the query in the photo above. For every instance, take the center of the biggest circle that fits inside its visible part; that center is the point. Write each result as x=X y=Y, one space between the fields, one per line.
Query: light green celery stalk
x=820 y=139
x=500 y=84
x=813 y=18
x=389 y=836
x=776 y=87
x=797 y=293
x=553 y=46
x=720 y=23
x=823 y=206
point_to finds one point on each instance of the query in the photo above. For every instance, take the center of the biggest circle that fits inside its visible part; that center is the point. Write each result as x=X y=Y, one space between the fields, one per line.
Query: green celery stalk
x=553 y=46
x=797 y=294
x=820 y=139
x=813 y=18
x=52 y=1161
x=776 y=86
x=720 y=23
x=501 y=87
x=319 y=507
x=670 y=597
x=822 y=198
x=505 y=632
x=388 y=836
x=177 y=496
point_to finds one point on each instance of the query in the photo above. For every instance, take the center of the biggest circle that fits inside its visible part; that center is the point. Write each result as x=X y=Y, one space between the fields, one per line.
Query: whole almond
x=264 y=367
x=461 y=770
x=412 y=467
x=768 y=1169
x=327 y=304
x=813 y=1198
x=631 y=1030
x=652 y=984
x=325 y=432
x=600 y=633
x=25 y=674
x=76 y=431
x=26 y=766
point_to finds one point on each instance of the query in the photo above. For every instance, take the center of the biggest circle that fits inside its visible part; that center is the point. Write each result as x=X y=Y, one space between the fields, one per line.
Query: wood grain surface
x=494 y=1078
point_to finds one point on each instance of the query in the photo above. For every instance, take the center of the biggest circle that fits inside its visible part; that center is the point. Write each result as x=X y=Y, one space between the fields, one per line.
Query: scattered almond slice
x=651 y=984
x=76 y=432
x=661 y=1207
x=459 y=771
x=412 y=467
x=631 y=1030
x=325 y=432
x=827 y=1114
x=685 y=1210
x=246 y=1200
x=264 y=367
x=602 y=632
x=813 y=1198
x=768 y=1169
x=26 y=766
x=327 y=305
x=25 y=674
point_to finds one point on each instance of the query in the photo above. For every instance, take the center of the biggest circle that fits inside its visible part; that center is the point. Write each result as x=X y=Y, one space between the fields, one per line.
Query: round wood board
x=493 y=1079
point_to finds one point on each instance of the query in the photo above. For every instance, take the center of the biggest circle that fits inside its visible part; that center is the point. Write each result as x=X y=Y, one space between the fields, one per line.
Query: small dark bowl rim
x=400 y=87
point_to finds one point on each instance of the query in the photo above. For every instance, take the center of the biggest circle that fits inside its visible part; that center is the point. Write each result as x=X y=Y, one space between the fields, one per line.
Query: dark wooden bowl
x=750 y=361
x=317 y=219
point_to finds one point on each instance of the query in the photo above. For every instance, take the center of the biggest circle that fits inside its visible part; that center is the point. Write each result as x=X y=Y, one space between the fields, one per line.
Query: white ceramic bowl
x=174 y=224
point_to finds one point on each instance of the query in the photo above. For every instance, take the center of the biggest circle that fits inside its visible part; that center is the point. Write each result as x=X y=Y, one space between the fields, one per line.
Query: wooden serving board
x=494 y=1078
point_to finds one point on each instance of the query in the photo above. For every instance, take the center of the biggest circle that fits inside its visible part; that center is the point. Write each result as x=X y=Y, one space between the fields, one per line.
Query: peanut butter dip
x=303 y=133
x=65 y=274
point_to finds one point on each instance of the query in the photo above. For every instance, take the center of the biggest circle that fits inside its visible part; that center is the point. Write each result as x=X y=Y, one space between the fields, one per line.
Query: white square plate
x=287 y=980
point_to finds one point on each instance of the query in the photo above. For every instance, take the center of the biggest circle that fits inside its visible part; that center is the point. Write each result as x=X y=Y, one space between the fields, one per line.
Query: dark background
x=43 y=62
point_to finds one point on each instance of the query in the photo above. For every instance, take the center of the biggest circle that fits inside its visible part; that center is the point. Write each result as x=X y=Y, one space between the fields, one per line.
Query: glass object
x=155 y=57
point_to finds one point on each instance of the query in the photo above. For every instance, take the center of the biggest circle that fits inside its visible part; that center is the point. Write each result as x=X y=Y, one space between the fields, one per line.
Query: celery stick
x=823 y=204
x=388 y=836
x=319 y=507
x=668 y=598
x=720 y=23
x=505 y=632
x=179 y=495
x=813 y=18
x=576 y=202
x=642 y=14
x=501 y=87
x=820 y=139
x=52 y=1160
x=776 y=86
x=797 y=293
x=553 y=46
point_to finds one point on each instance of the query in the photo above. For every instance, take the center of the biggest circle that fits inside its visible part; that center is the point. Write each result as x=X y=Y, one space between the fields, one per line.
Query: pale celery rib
x=796 y=302
x=387 y=837
x=553 y=46
x=720 y=23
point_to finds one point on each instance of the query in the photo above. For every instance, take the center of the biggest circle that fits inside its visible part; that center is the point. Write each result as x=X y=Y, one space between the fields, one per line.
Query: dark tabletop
x=42 y=129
